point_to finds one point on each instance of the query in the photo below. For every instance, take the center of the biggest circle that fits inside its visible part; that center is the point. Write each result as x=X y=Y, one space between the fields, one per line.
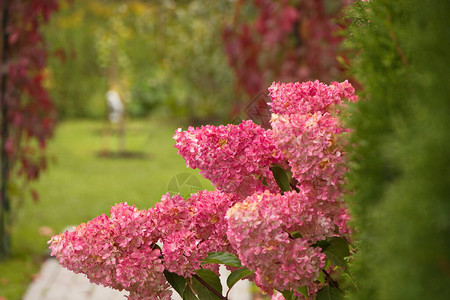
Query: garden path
x=56 y=283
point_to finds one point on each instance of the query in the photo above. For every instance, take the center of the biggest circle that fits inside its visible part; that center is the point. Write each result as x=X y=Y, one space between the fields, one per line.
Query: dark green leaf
x=329 y=293
x=202 y=291
x=210 y=278
x=337 y=251
x=288 y=295
x=223 y=258
x=281 y=177
x=238 y=275
x=303 y=290
x=189 y=294
x=176 y=281
x=322 y=244
x=347 y=283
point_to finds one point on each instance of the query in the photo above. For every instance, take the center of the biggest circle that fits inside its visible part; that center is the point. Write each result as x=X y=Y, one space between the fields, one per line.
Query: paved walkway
x=56 y=283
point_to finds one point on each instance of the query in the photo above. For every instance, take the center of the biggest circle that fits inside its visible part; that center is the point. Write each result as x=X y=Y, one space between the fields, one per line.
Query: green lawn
x=79 y=185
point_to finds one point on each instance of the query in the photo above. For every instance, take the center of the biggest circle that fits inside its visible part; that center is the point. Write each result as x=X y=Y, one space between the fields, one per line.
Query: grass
x=79 y=185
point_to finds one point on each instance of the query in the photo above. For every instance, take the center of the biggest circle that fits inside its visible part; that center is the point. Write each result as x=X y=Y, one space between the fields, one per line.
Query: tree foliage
x=400 y=171
x=27 y=113
x=75 y=78
x=158 y=54
x=270 y=41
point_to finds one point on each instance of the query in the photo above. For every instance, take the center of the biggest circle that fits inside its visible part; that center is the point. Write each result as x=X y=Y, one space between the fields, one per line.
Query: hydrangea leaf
x=321 y=277
x=296 y=235
x=329 y=293
x=337 y=251
x=188 y=294
x=176 y=281
x=212 y=280
x=288 y=295
x=281 y=177
x=224 y=258
x=303 y=290
x=238 y=275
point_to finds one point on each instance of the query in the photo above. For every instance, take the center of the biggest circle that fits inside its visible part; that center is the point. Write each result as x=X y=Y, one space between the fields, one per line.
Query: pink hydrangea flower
x=235 y=158
x=117 y=251
x=191 y=228
x=308 y=97
x=307 y=131
x=260 y=229
x=313 y=149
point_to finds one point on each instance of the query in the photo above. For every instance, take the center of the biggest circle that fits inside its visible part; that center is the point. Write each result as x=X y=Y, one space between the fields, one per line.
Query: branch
x=332 y=282
x=4 y=201
x=214 y=291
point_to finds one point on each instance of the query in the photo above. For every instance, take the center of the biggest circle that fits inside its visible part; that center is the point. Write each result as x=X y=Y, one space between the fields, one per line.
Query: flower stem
x=332 y=282
x=214 y=291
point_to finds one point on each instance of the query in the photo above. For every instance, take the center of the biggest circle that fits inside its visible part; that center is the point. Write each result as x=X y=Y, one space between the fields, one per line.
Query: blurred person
x=116 y=116
x=115 y=106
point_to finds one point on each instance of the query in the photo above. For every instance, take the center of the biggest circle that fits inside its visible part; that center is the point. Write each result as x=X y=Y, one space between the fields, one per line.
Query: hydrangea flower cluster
x=235 y=158
x=308 y=133
x=117 y=251
x=314 y=151
x=191 y=228
x=280 y=261
x=306 y=130
x=308 y=97
x=121 y=252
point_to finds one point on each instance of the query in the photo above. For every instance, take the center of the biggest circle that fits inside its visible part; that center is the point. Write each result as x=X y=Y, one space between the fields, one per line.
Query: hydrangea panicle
x=117 y=251
x=307 y=131
x=191 y=228
x=260 y=229
x=308 y=97
x=313 y=149
x=235 y=158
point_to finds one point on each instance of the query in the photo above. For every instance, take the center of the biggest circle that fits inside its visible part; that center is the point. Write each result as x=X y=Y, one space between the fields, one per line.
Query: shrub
x=400 y=169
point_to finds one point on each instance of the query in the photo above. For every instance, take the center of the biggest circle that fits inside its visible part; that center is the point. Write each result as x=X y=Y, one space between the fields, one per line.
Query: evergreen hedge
x=400 y=171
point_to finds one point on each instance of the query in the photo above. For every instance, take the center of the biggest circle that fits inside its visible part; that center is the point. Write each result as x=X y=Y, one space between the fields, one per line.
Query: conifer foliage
x=400 y=170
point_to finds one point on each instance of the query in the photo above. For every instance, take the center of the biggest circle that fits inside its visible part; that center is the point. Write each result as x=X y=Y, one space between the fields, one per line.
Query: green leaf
x=296 y=235
x=288 y=295
x=329 y=293
x=322 y=244
x=347 y=283
x=321 y=277
x=176 y=281
x=188 y=294
x=202 y=291
x=327 y=264
x=238 y=275
x=211 y=278
x=223 y=258
x=281 y=177
x=264 y=182
x=337 y=251
x=303 y=290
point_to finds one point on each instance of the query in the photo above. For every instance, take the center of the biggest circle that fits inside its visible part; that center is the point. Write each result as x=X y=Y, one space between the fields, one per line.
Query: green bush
x=400 y=171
